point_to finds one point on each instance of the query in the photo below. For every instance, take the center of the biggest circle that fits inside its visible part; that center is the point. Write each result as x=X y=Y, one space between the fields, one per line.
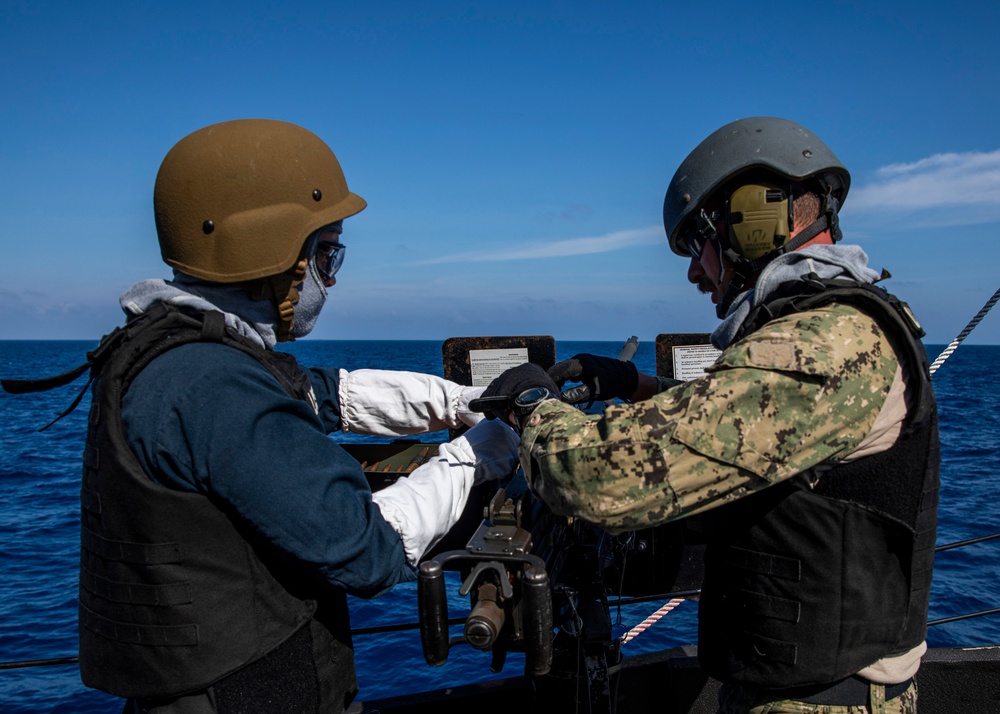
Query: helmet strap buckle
x=282 y=292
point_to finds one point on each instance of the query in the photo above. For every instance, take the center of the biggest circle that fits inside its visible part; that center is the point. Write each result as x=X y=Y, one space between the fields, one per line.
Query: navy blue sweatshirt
x=207 y=418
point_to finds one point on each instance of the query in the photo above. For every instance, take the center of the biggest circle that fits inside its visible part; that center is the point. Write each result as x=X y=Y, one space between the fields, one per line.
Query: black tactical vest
x=174 y=596
x=806 y=586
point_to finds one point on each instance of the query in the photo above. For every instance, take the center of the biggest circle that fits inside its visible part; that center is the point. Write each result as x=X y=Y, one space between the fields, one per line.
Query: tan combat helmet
x=235 y=202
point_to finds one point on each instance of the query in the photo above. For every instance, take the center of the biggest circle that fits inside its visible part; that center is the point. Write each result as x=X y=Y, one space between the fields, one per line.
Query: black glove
x=603 y=378
x=498 y=399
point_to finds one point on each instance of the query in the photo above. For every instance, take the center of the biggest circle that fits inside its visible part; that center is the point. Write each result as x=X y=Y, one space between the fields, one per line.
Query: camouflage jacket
x=802 y=392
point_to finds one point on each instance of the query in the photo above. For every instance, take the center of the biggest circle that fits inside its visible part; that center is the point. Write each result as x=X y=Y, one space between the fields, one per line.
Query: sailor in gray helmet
x=810 y=447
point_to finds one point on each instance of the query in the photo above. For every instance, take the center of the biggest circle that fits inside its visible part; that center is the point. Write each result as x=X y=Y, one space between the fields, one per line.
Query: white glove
x=423 y=507
x=395 y=403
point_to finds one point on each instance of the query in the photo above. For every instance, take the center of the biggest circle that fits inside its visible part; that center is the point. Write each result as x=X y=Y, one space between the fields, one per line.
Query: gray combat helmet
x=775 y=145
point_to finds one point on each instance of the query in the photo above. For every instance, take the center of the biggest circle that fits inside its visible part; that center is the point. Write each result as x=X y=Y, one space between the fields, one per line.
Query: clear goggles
x=329 y=254
x=329 y=258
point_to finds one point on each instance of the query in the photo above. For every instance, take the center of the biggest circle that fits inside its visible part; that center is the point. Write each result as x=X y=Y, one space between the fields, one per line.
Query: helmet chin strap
x=282 y=291
x=312 y=298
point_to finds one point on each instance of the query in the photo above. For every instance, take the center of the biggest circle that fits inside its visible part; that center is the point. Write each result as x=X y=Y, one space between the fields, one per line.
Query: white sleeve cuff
x=395 y=403
x=423 y=507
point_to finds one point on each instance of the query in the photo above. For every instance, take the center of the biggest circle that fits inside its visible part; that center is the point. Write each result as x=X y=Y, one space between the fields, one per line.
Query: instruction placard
x=489 y=364
x=690 y=360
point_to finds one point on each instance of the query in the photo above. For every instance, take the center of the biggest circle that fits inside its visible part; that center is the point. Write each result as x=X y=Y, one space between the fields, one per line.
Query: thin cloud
x=617 y=240
x=968 y=180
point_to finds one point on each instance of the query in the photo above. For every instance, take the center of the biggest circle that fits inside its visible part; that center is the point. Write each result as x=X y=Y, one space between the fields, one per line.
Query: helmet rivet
x=687 y=198
x=317 y=194
x=208 y=226
x=808 y=154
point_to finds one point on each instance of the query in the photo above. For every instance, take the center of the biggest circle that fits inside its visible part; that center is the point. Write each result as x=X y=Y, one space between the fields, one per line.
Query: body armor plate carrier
x=175 y=595
x=806 y=586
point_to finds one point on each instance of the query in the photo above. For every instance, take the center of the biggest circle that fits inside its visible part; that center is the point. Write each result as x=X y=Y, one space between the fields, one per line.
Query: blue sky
x=514 y=155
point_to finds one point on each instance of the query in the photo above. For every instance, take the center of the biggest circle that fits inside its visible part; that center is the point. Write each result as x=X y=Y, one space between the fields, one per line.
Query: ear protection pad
x=759 y=216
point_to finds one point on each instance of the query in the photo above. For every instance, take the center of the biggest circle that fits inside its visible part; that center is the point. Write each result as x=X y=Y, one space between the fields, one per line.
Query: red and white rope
x=641 y=627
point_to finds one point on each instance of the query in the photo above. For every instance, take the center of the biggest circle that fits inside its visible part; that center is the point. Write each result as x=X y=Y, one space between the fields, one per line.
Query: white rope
x=641 y=627
x=965 y=333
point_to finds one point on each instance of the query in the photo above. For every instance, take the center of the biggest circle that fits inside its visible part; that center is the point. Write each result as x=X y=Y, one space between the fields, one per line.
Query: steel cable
x=965 y=333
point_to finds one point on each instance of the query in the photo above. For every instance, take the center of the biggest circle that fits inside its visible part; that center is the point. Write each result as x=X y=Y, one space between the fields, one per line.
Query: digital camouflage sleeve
x=802 y=390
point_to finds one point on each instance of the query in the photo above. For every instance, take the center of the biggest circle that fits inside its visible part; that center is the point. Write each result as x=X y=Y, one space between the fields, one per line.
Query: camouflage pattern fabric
x=802 y=391
x=738 y=700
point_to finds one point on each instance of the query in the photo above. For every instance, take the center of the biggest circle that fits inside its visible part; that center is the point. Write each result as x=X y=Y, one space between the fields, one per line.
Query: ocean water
x=39 y=486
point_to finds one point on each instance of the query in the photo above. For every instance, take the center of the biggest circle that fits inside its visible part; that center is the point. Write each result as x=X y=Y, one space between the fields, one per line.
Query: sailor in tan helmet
x=221 y=528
